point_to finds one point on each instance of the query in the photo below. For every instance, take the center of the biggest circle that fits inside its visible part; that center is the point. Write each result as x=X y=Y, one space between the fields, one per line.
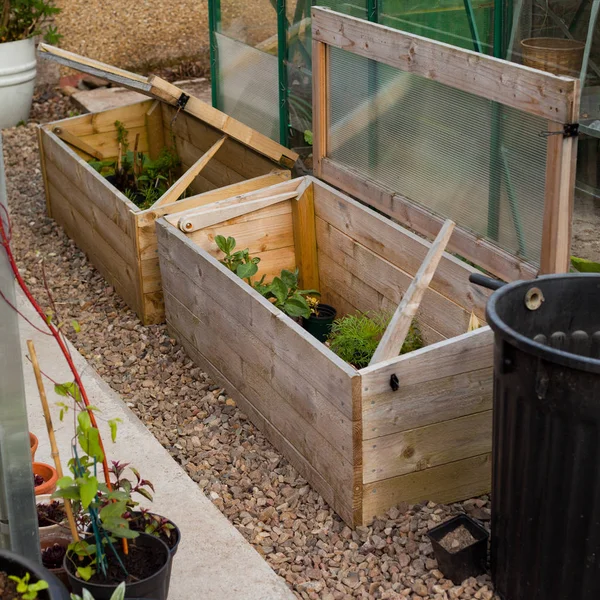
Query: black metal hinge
x=182 y=101
x=569 y=130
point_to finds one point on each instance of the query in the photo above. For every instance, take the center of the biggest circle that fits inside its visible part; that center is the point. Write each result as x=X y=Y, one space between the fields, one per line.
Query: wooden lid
x=158 y=88
x=541 y=95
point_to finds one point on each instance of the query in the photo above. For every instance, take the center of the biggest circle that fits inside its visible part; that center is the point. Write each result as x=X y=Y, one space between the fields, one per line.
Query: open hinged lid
x=158 y=88
x=423 y=131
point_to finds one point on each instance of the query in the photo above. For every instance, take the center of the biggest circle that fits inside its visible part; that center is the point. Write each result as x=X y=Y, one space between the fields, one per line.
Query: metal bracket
x=569 y=130
x=394 y=382
x=182 y=101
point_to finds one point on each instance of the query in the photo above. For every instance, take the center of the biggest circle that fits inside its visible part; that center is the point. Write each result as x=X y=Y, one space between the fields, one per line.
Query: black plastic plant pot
x=175 y=532
x=467 y=561
x=319 y=325
x=13 y=564
x=155 y=586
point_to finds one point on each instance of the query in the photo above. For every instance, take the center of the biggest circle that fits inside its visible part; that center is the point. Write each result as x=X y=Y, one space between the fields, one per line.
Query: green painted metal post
x=473 y=26
x=214 y=21
x=495 y=172
x=282 y=50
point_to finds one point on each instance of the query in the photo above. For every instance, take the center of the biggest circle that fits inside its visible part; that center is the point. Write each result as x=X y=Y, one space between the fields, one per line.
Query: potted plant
x=54 y=548
x=33 y=445
x=44 y=478
x=24 y=579
x=20 y=22
x=320 y=319
x=460 y=548
x=354 y=338
x=283 y=291
x=51 y=516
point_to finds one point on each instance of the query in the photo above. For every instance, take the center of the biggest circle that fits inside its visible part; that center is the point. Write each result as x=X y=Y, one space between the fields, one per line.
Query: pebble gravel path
x=286 y=521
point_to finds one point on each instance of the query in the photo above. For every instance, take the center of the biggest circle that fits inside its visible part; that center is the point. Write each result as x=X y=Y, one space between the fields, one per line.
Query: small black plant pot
x=173 y=546
x=155 y=585
x=319 y=325
x=469 y=561
x=13 y=564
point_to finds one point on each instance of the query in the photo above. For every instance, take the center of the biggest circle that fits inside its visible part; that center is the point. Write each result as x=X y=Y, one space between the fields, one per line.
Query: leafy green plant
x=118 y=594
x=354 y=338
x=22 y=19
x=141 y=179
x=240 y=262
x=582 y=265
x=28 y=591
x=283 y=291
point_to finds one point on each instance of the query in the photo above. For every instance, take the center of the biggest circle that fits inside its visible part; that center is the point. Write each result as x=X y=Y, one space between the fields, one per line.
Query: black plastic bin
x=545 y=542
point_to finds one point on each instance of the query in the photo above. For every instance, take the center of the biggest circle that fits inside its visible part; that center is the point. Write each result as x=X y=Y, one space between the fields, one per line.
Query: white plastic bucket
x=17 y=81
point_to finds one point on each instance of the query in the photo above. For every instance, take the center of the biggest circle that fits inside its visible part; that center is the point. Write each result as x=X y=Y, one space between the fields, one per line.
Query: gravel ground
x=247 y=479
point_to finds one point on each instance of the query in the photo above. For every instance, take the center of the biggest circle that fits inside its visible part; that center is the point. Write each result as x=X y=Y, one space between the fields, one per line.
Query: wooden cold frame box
x=363 y=446
x=118 y=237
x=362 y=442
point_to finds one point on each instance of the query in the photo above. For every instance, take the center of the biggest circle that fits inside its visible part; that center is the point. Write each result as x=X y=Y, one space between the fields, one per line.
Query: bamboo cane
x=50 y=428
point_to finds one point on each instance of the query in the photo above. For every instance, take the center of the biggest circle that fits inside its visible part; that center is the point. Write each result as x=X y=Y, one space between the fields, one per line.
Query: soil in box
x=115 y=228
x=363 y=443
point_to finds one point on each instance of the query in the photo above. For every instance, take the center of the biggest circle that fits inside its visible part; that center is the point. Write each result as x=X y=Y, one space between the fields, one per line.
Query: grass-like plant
x=354 y=338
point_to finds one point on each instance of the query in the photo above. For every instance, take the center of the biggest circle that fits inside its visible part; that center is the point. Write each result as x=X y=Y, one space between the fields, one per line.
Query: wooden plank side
x=538 y=93
x=561 y=165
x=399 y=246
x=425 y=447
x=320 y=81
x=245 y=363
x=131 y=115
x=327 y=372
x=437 y=311
x=112 y=266
x=235 y=155
x=444 y=484
x=493 y=259
x=104 y=227
x=468 y=352
x=304 y=468
x=358 y=293
x=145 y=219
x=274 y=382
x=105 y=196
x=425 y=403
x=154 y=129
x=305 y=239
x=108 y=144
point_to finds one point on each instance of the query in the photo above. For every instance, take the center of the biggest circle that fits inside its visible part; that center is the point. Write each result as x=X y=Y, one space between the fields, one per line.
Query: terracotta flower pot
x=33 y=445
x=49 y=475
x=61 y=540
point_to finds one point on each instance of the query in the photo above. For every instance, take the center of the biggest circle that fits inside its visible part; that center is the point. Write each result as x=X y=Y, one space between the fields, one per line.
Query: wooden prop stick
x=73 y=140
x=50 y=428
x=184 y=181
x=397 y=330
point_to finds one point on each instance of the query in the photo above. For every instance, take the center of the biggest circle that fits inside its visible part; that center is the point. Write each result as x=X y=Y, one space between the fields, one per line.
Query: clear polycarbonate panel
x=463 y=157
x=18 y=518
x=253 y=22
x=248 y=85
x=442 y=20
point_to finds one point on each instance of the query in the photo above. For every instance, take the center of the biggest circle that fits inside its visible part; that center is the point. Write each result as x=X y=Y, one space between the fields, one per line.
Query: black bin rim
x=522 y=342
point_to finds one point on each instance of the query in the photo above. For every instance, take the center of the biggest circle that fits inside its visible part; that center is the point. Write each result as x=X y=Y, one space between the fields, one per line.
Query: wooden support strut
x=184 y=181
x=397 y=330
x=228 y=209
x=73 y=140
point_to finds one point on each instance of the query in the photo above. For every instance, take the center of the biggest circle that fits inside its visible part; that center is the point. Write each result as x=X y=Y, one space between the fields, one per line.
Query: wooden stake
x=184 y=181
x=396 y=332
x=50 y=428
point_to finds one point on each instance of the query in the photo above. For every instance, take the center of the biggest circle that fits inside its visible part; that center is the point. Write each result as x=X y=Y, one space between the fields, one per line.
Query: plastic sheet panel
x=442 y=20
x=465 y=158
x=249 y=85
x=252 y=22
